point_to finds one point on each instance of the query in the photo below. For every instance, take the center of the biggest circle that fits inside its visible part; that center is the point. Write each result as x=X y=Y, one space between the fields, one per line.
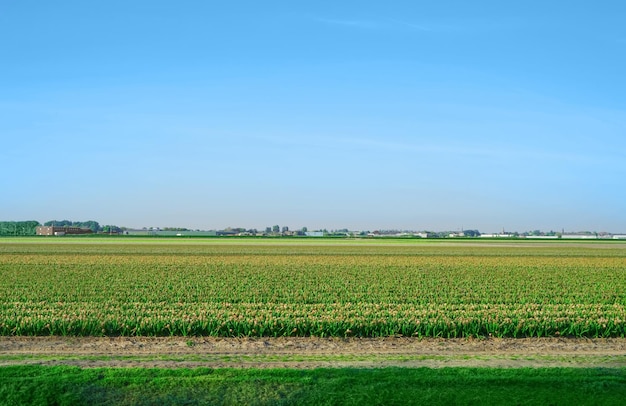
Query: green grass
x=39 y=385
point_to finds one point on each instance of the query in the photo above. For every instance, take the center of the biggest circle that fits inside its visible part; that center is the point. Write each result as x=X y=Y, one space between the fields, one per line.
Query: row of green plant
x=303 y=290
x=340 y=320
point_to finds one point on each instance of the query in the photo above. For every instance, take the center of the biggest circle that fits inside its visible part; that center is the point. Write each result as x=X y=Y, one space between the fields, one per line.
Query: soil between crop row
x=311 y=352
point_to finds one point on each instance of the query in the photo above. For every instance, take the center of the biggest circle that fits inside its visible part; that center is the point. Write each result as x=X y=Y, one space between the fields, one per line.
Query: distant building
x=53 y=230
x=171 y=233
x=580 y=236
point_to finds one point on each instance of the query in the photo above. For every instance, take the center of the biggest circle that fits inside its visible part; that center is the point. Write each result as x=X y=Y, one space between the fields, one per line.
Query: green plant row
x=341 y=320
x=272 y=290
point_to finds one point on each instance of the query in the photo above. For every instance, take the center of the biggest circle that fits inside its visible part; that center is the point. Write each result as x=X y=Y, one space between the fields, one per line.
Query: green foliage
x=18 y=228
x=109 y=229
x=471 y=233
x=203 y=288
x=92 y=225
x=169 y=288
x=40 y=385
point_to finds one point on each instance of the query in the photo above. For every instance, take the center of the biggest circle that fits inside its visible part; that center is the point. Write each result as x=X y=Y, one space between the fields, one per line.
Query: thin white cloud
x=355 y=143
x=387 y=24
x=418 y=27
x=350 y=23
x=511 y=154
x=455 y=150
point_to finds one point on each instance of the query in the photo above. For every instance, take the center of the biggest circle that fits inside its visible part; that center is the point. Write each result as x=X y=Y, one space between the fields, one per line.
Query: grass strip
x=64 y=385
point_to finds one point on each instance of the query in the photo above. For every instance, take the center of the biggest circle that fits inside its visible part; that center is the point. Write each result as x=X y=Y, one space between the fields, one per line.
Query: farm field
x=170 y=321
x=261 y=288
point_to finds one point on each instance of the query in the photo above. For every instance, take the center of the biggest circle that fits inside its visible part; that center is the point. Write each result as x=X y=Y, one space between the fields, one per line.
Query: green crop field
x=213 y=287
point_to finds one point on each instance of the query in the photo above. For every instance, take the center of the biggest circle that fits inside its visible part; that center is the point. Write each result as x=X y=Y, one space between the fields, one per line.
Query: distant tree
x=268 y=230
x=285 y=229
x=276 y=229
x=304 y=229
x=58 y=223
x=92 y=225
x=110 y=229
x=16 y=228
x=471 y=233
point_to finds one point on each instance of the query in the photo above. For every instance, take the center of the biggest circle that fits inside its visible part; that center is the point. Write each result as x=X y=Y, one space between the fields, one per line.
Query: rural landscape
x=258 y=310
x=312 y=202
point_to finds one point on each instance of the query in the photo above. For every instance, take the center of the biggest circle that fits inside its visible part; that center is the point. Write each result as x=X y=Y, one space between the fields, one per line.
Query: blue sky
x=360 y=115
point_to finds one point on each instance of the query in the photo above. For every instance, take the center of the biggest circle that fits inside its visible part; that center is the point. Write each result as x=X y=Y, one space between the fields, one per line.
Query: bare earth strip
x=192 y=352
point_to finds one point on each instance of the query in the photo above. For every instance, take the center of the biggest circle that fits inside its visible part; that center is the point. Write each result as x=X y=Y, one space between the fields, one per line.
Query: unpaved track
x=181 y=352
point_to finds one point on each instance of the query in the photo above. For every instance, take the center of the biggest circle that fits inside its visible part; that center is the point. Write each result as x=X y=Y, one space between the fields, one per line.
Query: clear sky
x=416 y=115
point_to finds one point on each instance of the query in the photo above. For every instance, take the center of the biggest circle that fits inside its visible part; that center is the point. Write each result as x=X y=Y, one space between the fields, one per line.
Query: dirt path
x=180 y=352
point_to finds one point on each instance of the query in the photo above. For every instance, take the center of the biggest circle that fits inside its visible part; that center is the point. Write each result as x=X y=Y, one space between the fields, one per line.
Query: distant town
x=66 y=227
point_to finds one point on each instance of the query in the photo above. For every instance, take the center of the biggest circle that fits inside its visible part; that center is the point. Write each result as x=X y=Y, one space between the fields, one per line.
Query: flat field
x=238 y=321
x=304 y=288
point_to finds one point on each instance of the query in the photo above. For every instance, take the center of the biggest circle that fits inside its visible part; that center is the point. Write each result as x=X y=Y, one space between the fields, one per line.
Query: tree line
x=24 y=228
x=94 y=226
x=19 y=228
